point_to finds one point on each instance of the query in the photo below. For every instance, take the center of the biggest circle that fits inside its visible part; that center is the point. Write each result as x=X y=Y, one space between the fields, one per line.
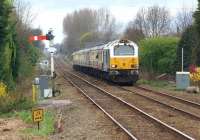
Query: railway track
x=193 y=112
x=179 y=118
x=135 y=122
x=184 y=117
x=191 y=103
x=191 y=108
x=185 y=106
x=170 y=115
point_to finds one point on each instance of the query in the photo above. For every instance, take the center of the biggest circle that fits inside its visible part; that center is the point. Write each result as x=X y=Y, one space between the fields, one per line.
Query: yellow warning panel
x=37 y=114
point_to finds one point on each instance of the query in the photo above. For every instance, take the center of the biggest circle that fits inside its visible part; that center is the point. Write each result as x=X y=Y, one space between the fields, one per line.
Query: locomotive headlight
x=113 y=66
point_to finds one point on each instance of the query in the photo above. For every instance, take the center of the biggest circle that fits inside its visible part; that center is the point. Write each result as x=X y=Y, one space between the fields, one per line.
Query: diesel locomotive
x=116 y=61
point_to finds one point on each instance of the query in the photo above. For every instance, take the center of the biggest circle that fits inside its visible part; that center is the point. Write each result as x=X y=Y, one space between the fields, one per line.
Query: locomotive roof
x=104 y=46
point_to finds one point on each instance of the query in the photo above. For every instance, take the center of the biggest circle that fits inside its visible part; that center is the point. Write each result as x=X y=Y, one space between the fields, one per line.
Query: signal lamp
x=50 y=36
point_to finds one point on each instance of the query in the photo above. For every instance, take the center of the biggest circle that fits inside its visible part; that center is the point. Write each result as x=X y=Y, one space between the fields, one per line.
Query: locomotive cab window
x=123 y=50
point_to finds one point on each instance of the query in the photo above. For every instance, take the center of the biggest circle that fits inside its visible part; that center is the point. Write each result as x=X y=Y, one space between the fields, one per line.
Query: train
x=116 y=61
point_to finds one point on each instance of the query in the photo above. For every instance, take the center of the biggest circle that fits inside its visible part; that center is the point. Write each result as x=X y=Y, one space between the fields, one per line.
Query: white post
x=52 y=64
x=182 y=61
x=52 y=59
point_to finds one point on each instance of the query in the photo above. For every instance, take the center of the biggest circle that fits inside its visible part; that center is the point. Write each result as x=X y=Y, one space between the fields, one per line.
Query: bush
x=157 y=55
x=9 y=103
x=27 y=60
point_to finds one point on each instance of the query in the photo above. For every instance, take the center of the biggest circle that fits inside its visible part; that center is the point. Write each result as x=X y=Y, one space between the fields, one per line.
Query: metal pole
x=33 y=93
x=52 y=73
x=182 y=61
x=38 y=126
x=52 y=65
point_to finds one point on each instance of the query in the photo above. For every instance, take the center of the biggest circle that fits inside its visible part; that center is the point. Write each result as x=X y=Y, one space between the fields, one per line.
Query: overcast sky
x=50 y=13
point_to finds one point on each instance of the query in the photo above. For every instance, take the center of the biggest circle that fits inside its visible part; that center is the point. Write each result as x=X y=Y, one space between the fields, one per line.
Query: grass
x=46 y=126
x=21 y=108
x=157 y=84
x=25 y=116
x=7 y=115
x=12 y=103
x=18 y=104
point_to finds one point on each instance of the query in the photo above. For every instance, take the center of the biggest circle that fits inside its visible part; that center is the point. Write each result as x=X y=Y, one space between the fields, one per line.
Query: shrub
x=11 y=102
x=157 y=55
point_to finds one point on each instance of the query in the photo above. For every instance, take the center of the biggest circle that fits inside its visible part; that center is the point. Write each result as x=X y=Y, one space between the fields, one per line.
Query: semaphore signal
x=48 y=36
x=37 y=38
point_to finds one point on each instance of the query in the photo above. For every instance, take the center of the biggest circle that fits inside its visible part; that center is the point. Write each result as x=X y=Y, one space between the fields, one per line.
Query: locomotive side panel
x=106 y=60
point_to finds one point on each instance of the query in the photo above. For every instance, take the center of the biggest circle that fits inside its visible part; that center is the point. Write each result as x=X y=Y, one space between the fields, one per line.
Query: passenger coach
x=116 y=61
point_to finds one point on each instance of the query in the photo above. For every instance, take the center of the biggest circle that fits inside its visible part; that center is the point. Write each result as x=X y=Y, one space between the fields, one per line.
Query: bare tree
x=183 y=20
x=106 y=24
x=24 y=17
x=23 y=10
x=133 y=33
x=153 y=21
x=87 y=25
x=140 y=21
x=77 y=24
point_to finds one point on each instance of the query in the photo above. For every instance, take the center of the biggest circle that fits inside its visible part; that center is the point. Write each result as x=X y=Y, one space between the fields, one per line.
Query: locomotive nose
x=123 y=63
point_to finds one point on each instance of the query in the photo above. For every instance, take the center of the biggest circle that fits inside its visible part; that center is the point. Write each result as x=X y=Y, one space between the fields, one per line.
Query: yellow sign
x=195 y=76
x=2 y=89
x=37 y=114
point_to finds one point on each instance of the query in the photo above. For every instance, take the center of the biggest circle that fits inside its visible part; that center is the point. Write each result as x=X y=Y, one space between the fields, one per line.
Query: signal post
x=49 y=36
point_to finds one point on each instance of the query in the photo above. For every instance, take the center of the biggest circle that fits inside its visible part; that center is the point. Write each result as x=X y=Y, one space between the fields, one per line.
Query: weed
x=14 y=102
x=46 y=126
x=155 y=83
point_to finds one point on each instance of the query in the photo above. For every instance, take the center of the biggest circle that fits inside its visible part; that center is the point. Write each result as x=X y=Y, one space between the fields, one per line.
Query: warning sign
x=195 y=74
x=37 y=114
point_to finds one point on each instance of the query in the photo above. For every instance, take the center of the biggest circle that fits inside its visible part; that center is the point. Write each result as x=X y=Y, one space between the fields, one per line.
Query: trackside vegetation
x=16 y=53
x=8 y=44
x=18 y=58
x=190 y=44
x=158 y=55
x=46 y=126
x=163 y=54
